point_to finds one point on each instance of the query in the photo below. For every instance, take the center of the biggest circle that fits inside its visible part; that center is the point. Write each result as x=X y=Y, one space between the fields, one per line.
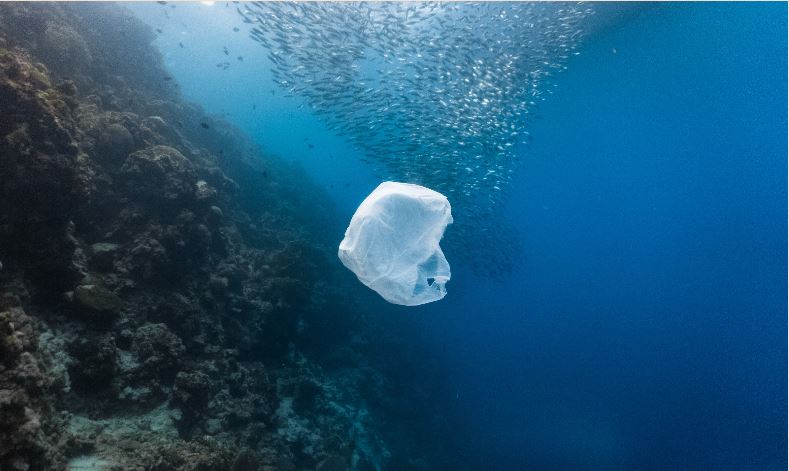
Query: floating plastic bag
x=392 y=241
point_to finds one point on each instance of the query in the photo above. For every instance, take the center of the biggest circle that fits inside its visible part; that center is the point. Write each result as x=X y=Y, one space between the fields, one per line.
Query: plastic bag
x=392 y=242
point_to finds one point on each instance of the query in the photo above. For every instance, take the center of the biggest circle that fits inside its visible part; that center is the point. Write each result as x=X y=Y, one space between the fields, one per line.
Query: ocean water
x=644 y=326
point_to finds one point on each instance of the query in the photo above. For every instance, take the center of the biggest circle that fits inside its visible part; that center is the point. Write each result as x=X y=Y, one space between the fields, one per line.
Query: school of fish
x=437 y=93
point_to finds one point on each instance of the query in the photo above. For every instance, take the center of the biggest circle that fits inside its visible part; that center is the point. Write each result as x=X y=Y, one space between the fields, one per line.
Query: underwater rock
x=102 y=255
x=95 y=364
x=192 y=389
x=307 y=392
x=142 y=395
x=12 y=341
x=21 y=427
x=88 y=115
x=191 y=393
x=333 y=463
x=217 y=178
x=30 y=430
x=205 y=193
x=40 y=188
x=114 y=144
x=147 y=259
x=66 y=47
x=67 y=87
x=97 y=298
x=214 y=216
x=160 y=174
x=158 y=350
x=155 y=130
x=218 y=285
x=245 y=461
x=187 y=242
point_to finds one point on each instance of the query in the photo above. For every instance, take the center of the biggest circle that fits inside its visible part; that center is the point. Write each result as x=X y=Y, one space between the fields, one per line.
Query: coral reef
x=165 y=304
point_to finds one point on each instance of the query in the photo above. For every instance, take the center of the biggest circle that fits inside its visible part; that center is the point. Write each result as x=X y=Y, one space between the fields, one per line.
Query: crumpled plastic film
x=392 y=243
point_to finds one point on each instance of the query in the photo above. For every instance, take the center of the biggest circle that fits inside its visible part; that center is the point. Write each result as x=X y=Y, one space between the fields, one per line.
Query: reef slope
x=168 y=296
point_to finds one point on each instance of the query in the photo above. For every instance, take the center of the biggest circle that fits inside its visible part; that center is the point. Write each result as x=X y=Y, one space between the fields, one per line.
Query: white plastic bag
x=392 y=241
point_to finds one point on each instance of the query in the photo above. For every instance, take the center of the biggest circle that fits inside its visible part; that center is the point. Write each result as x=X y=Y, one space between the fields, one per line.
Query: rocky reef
x=169 y=299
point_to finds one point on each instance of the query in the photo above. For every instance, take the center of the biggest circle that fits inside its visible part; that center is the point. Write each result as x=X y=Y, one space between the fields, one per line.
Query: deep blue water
x=646 y=328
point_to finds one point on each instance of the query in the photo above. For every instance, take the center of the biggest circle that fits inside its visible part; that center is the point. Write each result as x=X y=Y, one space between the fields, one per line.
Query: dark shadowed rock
x=205 y=193
x=98 y=298
x=191 y=393
x=95 y=364
x=155 y=130
x=307 y=393
x=30 y=432
x=102 y=255
x=67 y=48
x=333 y=463
x=192 y=389
x=214 y=216
x=159 y=350
x=160 y=174
x=114 y=144
x=37 y=169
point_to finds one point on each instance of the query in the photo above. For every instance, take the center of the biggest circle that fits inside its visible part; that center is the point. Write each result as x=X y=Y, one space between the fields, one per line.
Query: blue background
x=647 y=329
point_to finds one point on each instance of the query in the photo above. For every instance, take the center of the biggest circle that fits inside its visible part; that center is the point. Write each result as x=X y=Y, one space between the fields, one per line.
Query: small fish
x=181 y=44
x=167 y=79
x=224 y=49
x=311 y=146
x=204 y=125
x=254 y=107
x=236 y=30
x=240 y=58
x=162 y=3
x=265 y=174
x=159 y=30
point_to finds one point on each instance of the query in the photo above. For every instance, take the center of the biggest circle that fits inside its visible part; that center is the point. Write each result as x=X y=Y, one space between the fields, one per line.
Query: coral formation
x=162 y=305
